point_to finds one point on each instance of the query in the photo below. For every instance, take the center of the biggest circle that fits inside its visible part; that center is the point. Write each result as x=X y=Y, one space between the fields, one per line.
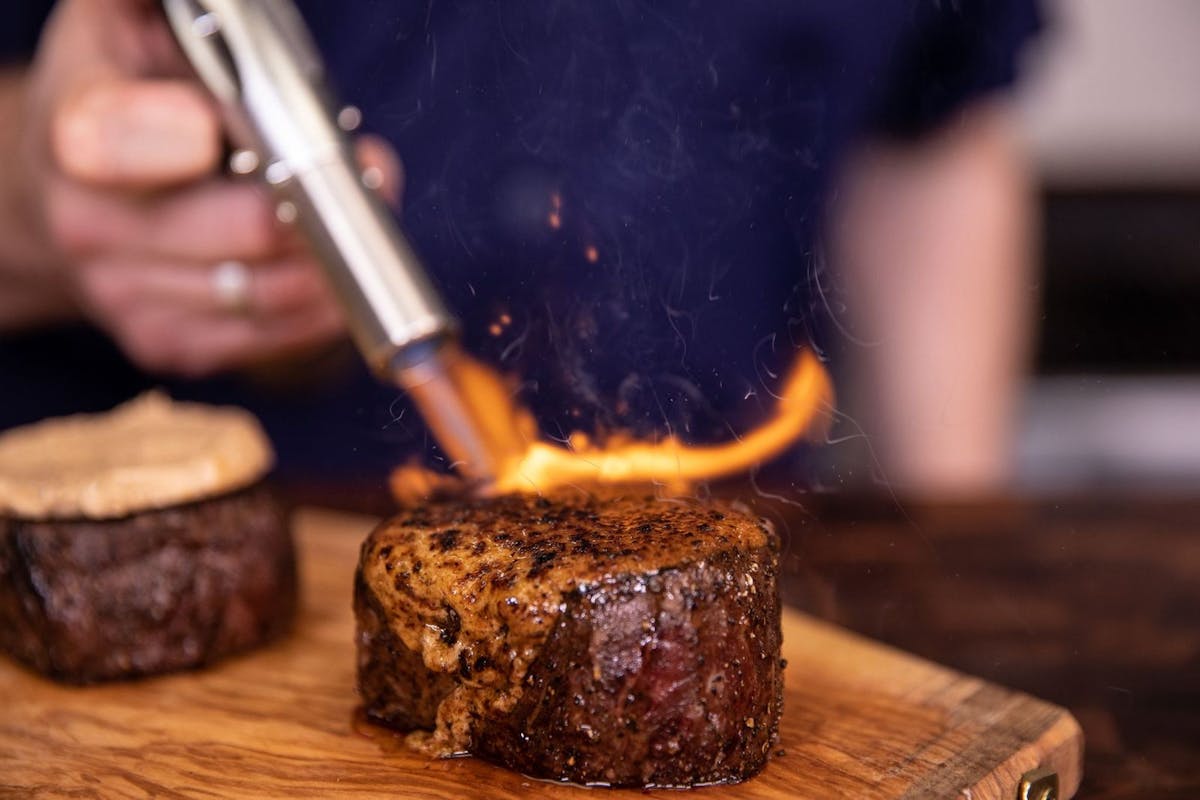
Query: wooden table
x=1090 y=602
x=860 y=720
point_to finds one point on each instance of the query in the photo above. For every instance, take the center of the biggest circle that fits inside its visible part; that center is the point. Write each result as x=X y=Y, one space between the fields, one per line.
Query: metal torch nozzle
x=430 y=373
x=258 y=60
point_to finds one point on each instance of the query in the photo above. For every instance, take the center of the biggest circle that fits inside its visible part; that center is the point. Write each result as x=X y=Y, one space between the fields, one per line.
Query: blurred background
x=1110 y=110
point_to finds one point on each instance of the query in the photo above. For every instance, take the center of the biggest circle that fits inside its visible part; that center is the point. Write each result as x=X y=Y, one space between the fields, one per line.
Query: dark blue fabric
x=20 y=25
x=637 y=186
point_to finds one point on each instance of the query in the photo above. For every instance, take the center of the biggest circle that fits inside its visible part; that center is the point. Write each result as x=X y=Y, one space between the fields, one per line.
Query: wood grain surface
x=861 y=720
x=1089 y=601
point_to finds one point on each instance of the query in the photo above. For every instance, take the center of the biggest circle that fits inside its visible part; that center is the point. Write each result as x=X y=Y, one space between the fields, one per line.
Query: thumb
x=136 y=133
x=382 y=169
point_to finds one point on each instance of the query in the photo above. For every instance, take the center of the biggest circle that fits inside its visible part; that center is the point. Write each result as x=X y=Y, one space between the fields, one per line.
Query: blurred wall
x=1111 y=111
x=1113 y=94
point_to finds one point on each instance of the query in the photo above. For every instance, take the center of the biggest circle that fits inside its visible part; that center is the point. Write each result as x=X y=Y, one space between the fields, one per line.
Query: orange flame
x=526 y=464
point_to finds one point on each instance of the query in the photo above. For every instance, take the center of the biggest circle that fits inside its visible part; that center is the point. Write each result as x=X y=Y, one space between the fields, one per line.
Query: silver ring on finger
x=231 y=287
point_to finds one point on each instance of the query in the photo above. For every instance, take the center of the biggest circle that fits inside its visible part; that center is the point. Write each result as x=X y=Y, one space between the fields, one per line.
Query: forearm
x=935 y=246
x=32 y=291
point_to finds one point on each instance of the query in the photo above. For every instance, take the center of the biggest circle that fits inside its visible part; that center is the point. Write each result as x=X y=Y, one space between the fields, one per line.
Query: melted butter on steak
x=476 y=588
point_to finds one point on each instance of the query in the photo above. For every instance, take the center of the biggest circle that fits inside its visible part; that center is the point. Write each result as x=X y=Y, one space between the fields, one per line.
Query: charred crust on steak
x=622 y=640
x=86 y=600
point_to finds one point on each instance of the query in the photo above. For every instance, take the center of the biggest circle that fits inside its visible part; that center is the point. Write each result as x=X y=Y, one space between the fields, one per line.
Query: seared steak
x=626 y=641
x=86 y=600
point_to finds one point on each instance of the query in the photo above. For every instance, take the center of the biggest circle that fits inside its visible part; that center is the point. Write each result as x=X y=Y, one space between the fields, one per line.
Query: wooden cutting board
x=860 y=721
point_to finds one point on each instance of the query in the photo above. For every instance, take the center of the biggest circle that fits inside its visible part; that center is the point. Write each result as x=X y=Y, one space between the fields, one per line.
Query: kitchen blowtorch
x=258 y=60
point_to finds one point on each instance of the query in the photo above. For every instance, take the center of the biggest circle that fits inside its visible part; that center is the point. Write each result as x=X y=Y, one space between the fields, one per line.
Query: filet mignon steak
x=624 y=640
x=85 y=600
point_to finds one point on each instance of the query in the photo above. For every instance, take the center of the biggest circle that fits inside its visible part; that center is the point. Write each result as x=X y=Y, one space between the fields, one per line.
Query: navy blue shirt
x=621 y=200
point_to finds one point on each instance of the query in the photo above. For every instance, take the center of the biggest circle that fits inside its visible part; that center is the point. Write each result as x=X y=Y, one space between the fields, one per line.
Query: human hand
x=187 y=270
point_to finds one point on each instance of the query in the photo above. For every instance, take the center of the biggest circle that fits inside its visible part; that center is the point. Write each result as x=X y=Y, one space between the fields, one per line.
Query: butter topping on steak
x=625 y=640
x=149 y=453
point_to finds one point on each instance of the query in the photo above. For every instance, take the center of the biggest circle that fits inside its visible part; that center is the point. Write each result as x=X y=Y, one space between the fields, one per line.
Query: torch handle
x=258 y=60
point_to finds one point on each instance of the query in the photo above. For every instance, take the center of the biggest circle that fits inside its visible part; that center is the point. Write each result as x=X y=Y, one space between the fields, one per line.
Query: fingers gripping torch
x=258 y=60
